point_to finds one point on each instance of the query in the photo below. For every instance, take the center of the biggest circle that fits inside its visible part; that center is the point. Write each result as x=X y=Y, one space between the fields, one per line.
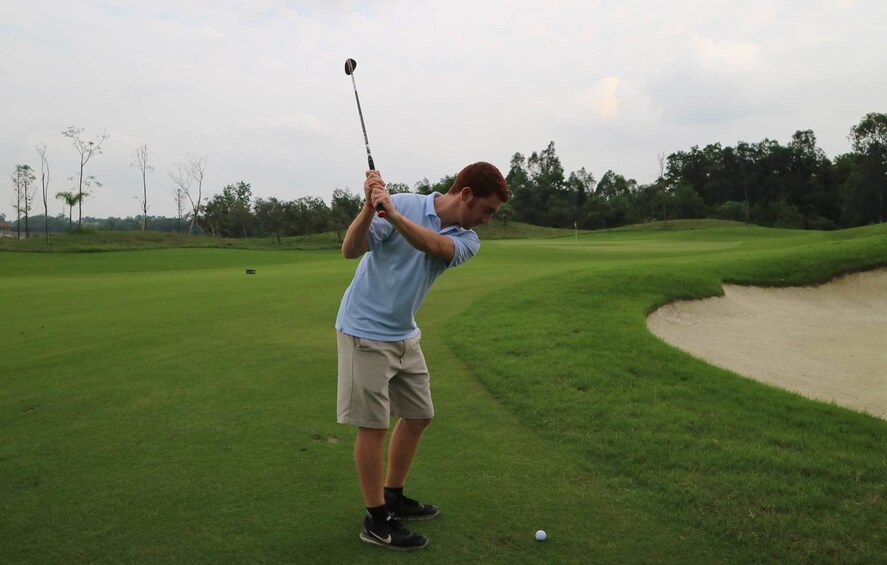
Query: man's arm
x=421 y=238
x=357 y=238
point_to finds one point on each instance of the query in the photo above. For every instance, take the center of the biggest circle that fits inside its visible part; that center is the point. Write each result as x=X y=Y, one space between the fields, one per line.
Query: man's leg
x=402 y=449
x=404 y=442
x=369 y=454
x=381 y=530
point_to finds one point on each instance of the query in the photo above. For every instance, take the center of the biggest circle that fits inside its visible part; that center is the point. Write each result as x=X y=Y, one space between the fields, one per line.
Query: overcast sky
x=259 y=86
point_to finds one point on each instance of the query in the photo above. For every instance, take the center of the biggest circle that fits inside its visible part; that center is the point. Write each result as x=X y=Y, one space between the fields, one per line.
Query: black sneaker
x=391 y=534
x=403 y=508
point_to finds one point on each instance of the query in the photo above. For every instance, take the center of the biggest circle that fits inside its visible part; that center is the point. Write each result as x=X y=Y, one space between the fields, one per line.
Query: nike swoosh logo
x=380 y=538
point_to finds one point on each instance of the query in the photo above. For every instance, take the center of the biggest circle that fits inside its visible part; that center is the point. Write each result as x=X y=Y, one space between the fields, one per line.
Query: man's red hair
x=484 y=180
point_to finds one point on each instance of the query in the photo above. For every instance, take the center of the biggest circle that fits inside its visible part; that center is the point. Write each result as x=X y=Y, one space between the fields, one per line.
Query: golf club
x=350 y=65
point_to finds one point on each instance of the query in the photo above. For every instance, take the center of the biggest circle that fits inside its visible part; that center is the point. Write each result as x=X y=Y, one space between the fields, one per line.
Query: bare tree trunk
x=44 y=182
x=141 y=161
x=27 y=213
x=80 y=199
x=180 y=208
x=197 y=168
x=144 y=202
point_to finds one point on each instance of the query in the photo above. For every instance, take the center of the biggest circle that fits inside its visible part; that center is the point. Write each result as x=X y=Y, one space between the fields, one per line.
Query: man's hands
x=376 y=193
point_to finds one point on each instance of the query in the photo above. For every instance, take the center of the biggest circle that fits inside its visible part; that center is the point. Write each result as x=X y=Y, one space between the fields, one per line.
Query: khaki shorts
x=380 y=380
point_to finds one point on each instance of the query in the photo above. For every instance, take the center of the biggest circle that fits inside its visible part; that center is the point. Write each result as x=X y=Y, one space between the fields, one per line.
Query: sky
x=259 y=88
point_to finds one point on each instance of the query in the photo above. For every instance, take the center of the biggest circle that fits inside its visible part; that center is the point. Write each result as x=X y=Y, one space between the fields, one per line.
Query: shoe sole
x=420 y=517
x=371 y=540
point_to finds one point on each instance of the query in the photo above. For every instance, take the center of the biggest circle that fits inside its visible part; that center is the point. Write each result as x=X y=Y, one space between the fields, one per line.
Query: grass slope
x=162 y=406
x=768 y=475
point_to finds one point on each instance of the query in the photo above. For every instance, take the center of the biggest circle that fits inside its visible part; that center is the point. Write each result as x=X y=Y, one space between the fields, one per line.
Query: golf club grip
x=379 y=209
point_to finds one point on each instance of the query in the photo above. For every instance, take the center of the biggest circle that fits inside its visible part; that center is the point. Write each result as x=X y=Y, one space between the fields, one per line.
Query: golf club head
x=350 y=65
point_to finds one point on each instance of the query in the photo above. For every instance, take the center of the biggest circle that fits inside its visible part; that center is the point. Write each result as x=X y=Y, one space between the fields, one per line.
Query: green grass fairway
x=161 y=406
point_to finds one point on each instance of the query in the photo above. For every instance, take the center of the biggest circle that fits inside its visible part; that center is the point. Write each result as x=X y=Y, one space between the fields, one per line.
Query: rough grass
x=94 y=241
x=134 y=240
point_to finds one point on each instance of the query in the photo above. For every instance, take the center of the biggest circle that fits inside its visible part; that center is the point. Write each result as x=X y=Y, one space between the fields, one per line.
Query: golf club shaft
x=380 y=209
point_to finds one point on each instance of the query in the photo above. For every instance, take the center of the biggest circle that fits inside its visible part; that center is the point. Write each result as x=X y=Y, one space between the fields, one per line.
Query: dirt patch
x=825 y=342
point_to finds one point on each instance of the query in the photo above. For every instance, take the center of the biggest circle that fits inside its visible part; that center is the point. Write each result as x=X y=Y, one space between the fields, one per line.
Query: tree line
x=766 y=183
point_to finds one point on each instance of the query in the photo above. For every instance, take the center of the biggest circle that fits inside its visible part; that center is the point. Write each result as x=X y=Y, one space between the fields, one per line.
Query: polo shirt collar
x=430 y=211
x=429 y=204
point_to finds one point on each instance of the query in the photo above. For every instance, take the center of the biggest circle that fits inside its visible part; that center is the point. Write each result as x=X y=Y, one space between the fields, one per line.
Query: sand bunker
x=827 y=342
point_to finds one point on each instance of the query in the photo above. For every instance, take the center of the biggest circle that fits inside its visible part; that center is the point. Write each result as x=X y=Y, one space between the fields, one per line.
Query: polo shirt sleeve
x=467 y=245
x=380 y=230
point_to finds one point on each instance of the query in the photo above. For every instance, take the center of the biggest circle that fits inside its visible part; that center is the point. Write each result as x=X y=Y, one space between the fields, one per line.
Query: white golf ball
x=540 y=535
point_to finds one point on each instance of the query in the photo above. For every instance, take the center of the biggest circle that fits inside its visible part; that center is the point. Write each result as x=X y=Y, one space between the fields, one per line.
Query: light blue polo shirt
x=393 y=277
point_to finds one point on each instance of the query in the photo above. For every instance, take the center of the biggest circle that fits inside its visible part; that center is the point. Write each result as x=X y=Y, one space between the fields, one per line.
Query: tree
x=70 y=199
x=580 y=185
x=869 y=137
x=271 y=215
x=687 y=202
x=344 y=208
x=613 y=185
x=506 y=212
x=141 y=161
x=44 y=183
x=746 y=164
x=180 y=207
x=228 y=214
x=397 y=188
x=442 y=186
x=184 y=175
x=242 y=200
x=538 y=185
x=662 y=187
x=22 y=179
x=86 y=149
x=546 y=180
x=518 y=180
x=423 y=186
x=308 y=214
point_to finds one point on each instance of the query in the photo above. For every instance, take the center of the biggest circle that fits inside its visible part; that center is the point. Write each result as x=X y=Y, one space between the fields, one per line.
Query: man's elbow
x=351 y=253
x=446 y=252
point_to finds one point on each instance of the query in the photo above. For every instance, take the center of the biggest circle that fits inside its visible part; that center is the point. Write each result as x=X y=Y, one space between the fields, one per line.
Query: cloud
x=602 y=99
x=613 y=99
x=725 y=55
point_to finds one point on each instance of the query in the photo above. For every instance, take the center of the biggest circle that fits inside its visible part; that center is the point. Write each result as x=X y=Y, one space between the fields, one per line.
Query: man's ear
x=466 y=193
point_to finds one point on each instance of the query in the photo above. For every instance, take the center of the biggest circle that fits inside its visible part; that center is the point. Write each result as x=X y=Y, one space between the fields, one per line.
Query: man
x=382 y=372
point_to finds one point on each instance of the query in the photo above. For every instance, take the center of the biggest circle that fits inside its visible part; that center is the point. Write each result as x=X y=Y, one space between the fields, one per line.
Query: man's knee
x=374 y=435
x=416 y=425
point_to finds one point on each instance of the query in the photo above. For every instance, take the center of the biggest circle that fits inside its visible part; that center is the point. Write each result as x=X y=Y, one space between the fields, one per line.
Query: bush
x=731 y=211
x=819 y=223
x=789 y=217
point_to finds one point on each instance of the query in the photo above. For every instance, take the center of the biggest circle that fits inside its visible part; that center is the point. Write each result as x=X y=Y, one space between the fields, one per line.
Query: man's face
x=479 y=211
